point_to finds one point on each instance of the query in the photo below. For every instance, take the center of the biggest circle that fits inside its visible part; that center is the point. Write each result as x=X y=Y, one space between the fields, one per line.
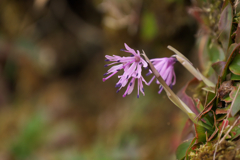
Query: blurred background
x=53 y=103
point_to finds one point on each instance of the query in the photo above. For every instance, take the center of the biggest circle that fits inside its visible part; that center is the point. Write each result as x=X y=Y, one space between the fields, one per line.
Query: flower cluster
x=132 y=67
x=165 y=68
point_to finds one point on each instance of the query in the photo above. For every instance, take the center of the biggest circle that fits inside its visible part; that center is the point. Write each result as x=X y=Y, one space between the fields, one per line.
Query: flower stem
x=172 y=96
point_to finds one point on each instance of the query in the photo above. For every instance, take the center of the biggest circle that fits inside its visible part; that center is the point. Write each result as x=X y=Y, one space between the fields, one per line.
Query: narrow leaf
x=225 y=25
x=199 y=104
x=237 y=37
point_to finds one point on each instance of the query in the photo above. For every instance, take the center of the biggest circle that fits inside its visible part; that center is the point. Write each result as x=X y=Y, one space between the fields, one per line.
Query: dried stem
x=229 y=130
x=188 y=65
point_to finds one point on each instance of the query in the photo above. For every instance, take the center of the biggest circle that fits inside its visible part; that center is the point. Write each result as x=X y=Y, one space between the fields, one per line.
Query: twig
x=229 y=130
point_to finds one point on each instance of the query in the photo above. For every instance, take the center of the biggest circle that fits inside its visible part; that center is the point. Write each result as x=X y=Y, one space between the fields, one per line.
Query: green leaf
x=225 y=25
x=219 y=67
x=237 y=37
x=225 y=3
x=236 y=103
x=235 y=65
x=227 y=99
x=232 y=48
x=237 y=132
x=182 y=149
x=215 y=53
x=209 y=118
x=209 y=101
x=200 y=133
x=191 y=147
x=220 y=117
x=211 y=53
x=235 y=77
x=186 y=99
x=222 y=110
x=210 y=97
x=198 y=104
x=231 y=53
x=149 y=27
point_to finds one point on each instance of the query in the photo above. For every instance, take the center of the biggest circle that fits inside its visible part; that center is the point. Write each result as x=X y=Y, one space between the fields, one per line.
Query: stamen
x=138 y=96
x=137 y=74
x=118 y=69
x=118 y=85
x=143 y=89
x=130 y=84
x=105 y=74
x=160 y=89
x=106 y=65
x=110 y=64
x=104 y=79
x=148 y=74
x=118 y=90
x=122 y=50
x=107 y=60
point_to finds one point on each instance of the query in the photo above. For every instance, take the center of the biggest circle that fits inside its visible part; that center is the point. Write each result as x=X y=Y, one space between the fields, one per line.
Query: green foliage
x=225 y=25
x=182 y=149
x=200 y=133
x=235 y=65
x=222 y=52
x=217 y=53
x=236 y=103
x=235 y=77
x=149 y=25
x=29 y=139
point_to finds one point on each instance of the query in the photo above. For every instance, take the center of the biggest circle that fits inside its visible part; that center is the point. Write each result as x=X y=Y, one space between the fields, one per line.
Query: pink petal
x=132 y=86
x=130 y=49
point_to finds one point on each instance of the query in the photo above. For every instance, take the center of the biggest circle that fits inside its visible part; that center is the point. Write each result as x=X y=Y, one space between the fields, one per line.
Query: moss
x=227 y=150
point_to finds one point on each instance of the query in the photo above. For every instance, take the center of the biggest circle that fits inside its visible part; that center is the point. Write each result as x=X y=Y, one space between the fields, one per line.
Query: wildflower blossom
x=165 y=68
x=132 y=67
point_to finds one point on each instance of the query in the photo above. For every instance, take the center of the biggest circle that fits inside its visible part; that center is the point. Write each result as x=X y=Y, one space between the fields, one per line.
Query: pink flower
x=165 y=68
x=132 y=67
